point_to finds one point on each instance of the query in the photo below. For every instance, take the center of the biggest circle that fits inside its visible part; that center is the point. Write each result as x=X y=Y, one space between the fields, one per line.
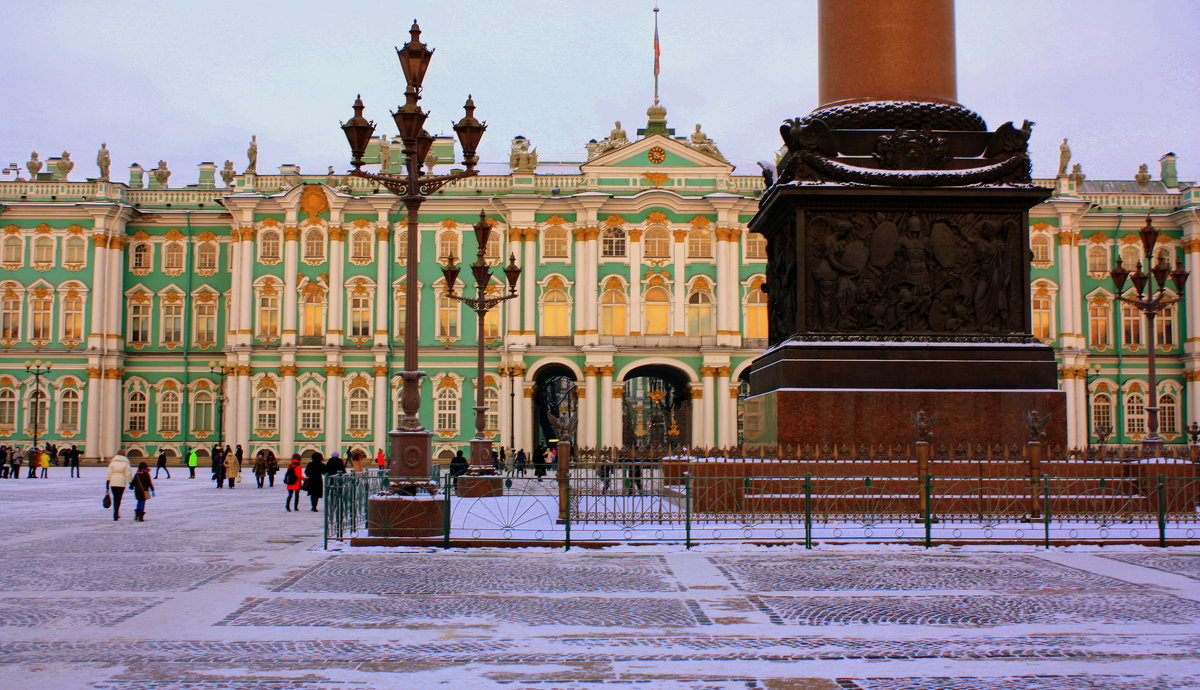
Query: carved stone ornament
x=923 y=424
x=907 y=149
x=1036 y=423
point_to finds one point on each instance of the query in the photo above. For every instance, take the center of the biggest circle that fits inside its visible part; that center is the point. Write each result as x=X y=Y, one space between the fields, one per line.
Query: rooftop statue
x=1142 y=177
x=34 y=166
x=65 y=165
x=616 y=139
x=1064 y=158
x=432 y=159
x=700 y=141
x=252 y=156
x=103 y=161
x=228 y=173
x=385 y=156
x=521 y=159
x=161 y=174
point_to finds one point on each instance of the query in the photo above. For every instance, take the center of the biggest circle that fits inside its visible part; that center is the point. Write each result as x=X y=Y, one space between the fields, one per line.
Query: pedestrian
x=3 y=462
x=119 y=476
x=73 y=458
x=272 y=467
x=233 y=470
x=458 y=466
x=293 y=479
x=162 y=463
x=334 y=465
x=503 y=461
x=260 y=468
x=31 y=457
x=218 y=467
x=143 y=490
x=519 y=463
x=539 y=462
x=314 y=482
x=44 y=462
x=381 y=459
x=356 y=460
x=495 y=461
x=192 y=461
x=239 y=454
x=14 y=464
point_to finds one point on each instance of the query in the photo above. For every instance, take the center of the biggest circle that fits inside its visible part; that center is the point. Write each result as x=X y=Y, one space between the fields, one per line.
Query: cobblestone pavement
x=223 y=589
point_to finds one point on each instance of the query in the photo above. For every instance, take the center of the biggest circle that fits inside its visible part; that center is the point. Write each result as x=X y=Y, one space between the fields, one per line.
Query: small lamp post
x=1091 y=374
x=38 y=368
x=1150 y=300
x=223 y=368
x=412 y=446
x=481 y=447
x=1193 y=433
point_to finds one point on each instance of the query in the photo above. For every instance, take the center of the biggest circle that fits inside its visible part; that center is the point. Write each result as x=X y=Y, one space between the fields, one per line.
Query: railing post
x=808 y=510
x=687 y=510
x=446 y=512
x=1033 y=452
x=566 y=486
x=563 y=472
x=325 y=520
x=1162 y=512
x=922 y=459
x=927 y=508
x=1046 y=508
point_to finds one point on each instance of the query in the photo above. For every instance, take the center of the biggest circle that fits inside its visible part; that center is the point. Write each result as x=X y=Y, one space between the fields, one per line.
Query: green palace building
x=640 y=301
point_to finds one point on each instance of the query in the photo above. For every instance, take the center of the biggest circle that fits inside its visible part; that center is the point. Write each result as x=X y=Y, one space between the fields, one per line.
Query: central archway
x=554 y=394
x=657 y=408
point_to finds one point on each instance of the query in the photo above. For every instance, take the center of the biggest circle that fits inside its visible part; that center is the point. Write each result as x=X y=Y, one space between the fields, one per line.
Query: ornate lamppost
x=481 y=447
x=223 y=368
x=38 y=368
x=412 y=445
x=1150 y=302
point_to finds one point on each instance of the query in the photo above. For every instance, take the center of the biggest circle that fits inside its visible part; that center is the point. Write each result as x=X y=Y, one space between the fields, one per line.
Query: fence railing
x=693 y=502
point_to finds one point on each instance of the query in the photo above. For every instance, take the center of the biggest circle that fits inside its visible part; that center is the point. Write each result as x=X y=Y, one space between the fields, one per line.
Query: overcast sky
x=191 y=81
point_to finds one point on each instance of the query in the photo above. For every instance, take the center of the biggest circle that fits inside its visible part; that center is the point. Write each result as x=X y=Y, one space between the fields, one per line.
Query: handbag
x=107 y=502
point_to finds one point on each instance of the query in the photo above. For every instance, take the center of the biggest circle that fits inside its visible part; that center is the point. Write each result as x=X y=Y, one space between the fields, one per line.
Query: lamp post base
x=481 y=456
x=411 y=455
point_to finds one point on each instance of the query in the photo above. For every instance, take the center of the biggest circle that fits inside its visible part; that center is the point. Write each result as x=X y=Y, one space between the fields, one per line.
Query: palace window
x=202 y=411
x=8 y=409
x=266 y=410
x=446 y=410
x=447 y=245
x=656 y=244
x=206 y=256
x=1131 y=325
x=1040 y=306
x=402 y=247
x=1097 y=260
x=206 y=323
x=401 y=299
x=359 y=417
x=1135 y=414
x=491 y=319
x=492 y=252
x=1099 y=324
x=313 y=313
x=314 y=246
x=1102 y=413
x=556 y=309
x=491 y=418
x=172 y=322
x=312 y=409
x=43 y=250
x=10 y=318
x=1040 y=246
x=614 y=309
x=135 y=412
x=13 y=250
x=140 y=260
x=612 y=242
x=658 y=312
x=756 y=311
x=168 y=412
x=268 y=315
x=139 y=322
x=756 y=246
x=700 y=311
x=700 y=243
x=360 y=316
x=1168 y=414
x=1130 y=256
x=447 y=317
x=68 y=411
x=173 y=256
x=1164 y=328
x=40 y=311
x=39 y=411
x=76 y=251
x=269 y=246
x=72 y=316
x=554 y=243
x=360 y=245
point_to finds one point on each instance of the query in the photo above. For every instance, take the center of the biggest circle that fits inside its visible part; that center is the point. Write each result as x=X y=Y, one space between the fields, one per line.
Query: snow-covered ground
x=223 y=589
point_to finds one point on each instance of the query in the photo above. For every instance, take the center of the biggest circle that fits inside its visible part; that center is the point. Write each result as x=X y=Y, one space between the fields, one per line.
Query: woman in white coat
x=120 y=474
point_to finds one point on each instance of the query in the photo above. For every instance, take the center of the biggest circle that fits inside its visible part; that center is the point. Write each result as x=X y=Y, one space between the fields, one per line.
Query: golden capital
x=723 y=371
x=635 y=235
x=607 y=371
x=115 y=374
x=728 y=234
x=591 y=371
x=93 y=372
x=337 y=234
x=1192 y=245
x=679 y=235
x=697 y=394
x=291 y=233
x=516 y=371
x=243 y=370
x=383 y=233
x=116 y=243
x=100 y=240
x=288 y=369
x=332 y=370
x=618 y=392
x=380 y=369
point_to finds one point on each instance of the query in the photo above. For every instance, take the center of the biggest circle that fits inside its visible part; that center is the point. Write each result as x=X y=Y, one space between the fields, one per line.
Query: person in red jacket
x=293 y=478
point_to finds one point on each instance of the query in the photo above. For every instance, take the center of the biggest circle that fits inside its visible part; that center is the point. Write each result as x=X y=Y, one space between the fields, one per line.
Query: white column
x=241 y=423
x=590 y=290
x=513 y=311
x=726 y=414
x=245 y=295
x=617 y=411
x=95 y=402
x=382 y=286
x=587 y=435
x=529 y=290
x=291 y=264
x=333 y=408
x=605 y=401
x=634 y=247
x=99 y=296
x=110 y=432
x=379 y=400
x=115 y=296
x=233 y=322
x=335 y=324
x=521 y=414
x=287 y=412
x=679 y=293
x=699 y=412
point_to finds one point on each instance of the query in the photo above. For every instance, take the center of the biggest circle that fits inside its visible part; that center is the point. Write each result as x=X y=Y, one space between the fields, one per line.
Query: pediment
x=675 y=156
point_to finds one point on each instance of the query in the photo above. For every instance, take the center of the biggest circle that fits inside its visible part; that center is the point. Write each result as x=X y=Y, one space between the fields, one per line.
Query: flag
x=657 y=46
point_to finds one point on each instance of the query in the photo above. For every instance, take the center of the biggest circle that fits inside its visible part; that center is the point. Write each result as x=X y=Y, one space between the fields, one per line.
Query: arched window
x=1041 y=308
x=700 y=311
x=1097 y=260
x=13 y=249
x=447 y=245
x=76 y=252
x=135 y=412
x=1130 y=256
x=173 y=256
x=447 y=317
x=360 y=245
x=756 y=311
x=10 y=317
x=39 y=410
x=1102 y=414
x=359 y=417
x=41 y=309
x=202 y=411
x=1164 y=328
x=43 y=250
x=1135 y=414
x=314 y=245
x=312 y=409
x=140 y=256
x=446 y=411
x=554 y=243
x=658 y=311
x=614 y=309
x=402 y=247
x=8 y=409
x=656 y=244
x=1040 y=245
x=756 y=246
x=1168 y=414
x=492 y=253
x=313 y=315
x=491 y=419
x=1131 y=326
x=612 y=242
x=400 y=300
x=206 y=256
x=700 y=243
x=1099 y=323
x=269 y=245
x=68 y=411
x=556 y=309
x=168 y=412
x=266 y=410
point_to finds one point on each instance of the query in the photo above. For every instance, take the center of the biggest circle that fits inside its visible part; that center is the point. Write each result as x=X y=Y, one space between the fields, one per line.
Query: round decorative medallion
x=656 y=155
